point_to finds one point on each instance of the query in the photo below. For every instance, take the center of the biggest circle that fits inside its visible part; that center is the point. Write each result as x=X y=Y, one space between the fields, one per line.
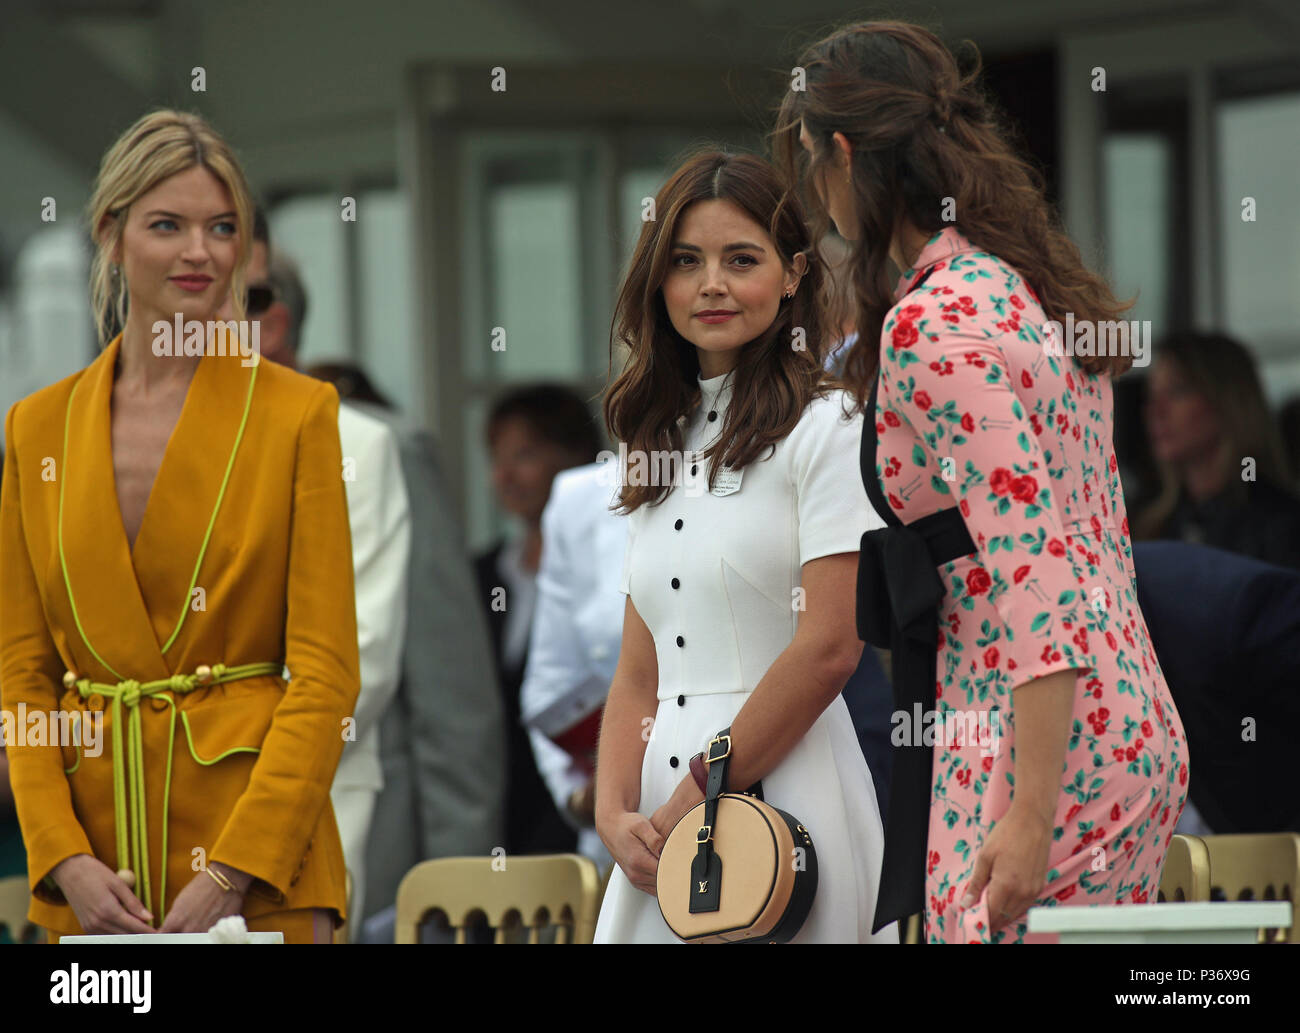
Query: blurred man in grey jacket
x=442 y=742
x=380 y=521
x=441 y=739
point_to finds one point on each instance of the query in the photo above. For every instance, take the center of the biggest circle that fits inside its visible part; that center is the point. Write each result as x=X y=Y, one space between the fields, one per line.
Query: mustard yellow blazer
x=244 y=557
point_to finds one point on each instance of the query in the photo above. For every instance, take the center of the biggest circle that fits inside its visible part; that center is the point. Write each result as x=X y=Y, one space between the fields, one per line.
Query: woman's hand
x=1012 y=865
x=203 y=902
x=685 y=796
x=101 y=900
x=634 y=843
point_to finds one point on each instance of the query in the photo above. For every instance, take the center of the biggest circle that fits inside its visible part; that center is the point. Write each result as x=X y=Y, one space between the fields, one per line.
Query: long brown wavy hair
x=921 y=131
x=773 y=380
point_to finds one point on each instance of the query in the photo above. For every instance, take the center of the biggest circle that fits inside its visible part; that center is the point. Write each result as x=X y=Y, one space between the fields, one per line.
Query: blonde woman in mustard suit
x=173 y=534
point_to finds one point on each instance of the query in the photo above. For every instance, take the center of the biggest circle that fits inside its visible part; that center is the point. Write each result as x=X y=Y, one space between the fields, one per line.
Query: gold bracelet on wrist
x=220 y=879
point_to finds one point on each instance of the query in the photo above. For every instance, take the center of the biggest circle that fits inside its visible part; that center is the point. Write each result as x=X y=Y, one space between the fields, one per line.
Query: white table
x=1237 y=921
x=167 y=938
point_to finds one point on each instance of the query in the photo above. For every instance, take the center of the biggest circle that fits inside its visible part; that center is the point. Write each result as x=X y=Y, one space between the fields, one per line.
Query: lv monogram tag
x=706 y=880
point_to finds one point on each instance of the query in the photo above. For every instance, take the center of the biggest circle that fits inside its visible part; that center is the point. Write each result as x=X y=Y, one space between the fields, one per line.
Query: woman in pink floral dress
x=1069 y=788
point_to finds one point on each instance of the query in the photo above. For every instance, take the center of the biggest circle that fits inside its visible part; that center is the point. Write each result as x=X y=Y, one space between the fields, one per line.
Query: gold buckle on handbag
x=704 y=834
x=717 y=740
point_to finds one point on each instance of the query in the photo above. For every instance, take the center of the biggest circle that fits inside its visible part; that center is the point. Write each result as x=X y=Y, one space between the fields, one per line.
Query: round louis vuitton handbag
x=735 y=869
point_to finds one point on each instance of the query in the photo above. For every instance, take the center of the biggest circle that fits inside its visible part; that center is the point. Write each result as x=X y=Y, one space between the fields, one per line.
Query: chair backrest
x=341 y=933
x=15 y=897
x=604 y=881
x=1257 y=867
x=561 y=890
x=1187 y=871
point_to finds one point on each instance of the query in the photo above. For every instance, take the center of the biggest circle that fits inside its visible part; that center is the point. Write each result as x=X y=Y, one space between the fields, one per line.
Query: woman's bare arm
x=629 y=716
x=1042 y=709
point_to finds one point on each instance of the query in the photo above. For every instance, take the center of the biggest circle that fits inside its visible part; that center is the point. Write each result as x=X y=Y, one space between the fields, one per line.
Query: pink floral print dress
x=974 y=411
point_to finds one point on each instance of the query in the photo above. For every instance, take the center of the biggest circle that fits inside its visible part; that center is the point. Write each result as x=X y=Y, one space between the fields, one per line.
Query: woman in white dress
x=740 y=580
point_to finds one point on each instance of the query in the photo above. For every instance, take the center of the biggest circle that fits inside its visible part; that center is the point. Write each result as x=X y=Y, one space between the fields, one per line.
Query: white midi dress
x=714 y=576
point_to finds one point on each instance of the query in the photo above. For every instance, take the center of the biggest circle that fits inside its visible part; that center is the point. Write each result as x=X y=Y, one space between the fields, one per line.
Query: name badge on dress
x=728 y=482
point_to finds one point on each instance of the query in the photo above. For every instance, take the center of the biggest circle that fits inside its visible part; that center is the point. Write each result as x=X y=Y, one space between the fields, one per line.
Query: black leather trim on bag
x=706 y=867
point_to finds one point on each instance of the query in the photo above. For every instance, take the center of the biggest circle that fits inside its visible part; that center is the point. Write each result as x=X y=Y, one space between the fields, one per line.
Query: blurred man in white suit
x=380 y=520
x=576 y=634
x=442 y=742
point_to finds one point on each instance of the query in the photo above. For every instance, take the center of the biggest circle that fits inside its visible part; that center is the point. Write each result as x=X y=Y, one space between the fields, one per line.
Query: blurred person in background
x=1226 y=630
x=836 y=251
x=13 y=858
x=379 y=520
x=577 y=629
x=441 y=740
x=868 y=692
x=1137 y=467
x=1223 y=473
x=354 y=387
x=533 y=433
x=1288 y=422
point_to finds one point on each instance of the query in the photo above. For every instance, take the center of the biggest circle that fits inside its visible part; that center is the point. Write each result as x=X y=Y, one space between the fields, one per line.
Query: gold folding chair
x=341 y=933
x=561 y=890
x=604 y=884
x=1187 y=871
x=15 y=897
x=1257 y=867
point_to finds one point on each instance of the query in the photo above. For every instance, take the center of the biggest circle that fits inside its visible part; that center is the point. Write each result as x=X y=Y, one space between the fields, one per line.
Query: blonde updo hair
x=159 y=145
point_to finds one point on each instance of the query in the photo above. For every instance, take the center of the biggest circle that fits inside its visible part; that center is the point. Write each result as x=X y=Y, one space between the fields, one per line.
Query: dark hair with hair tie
x=923 y=131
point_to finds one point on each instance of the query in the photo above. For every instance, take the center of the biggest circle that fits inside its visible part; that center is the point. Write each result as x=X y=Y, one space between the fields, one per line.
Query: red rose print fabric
x=972 y=411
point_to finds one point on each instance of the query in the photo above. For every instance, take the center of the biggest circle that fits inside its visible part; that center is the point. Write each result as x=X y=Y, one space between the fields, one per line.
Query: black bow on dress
x=899 y=593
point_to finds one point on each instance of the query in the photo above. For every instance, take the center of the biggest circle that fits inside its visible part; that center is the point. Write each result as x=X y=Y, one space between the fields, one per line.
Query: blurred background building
x=482 y=210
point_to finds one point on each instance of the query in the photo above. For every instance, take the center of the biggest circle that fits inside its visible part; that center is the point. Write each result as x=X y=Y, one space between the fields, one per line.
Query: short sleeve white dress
x=714 y=576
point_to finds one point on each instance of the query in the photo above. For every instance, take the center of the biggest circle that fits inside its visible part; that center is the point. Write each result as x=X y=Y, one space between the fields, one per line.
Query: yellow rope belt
x=128 y=769
x=129 y=820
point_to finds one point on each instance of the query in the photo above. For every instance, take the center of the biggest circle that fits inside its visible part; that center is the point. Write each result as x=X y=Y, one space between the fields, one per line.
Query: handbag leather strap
x=706 y=869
